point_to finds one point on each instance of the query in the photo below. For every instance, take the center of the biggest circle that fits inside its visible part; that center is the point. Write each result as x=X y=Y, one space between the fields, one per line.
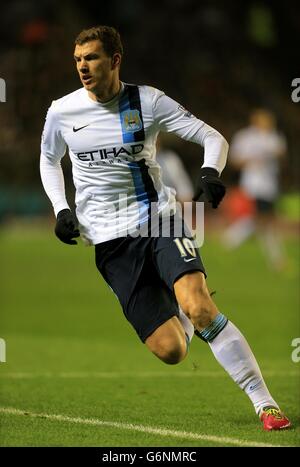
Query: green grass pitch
x=70 y=352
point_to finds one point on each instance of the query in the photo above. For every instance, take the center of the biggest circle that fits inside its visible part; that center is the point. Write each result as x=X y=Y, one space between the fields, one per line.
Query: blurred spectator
x=174 y=173
x=256 y=152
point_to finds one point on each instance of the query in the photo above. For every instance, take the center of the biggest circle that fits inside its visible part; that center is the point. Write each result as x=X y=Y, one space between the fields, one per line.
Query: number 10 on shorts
x=185 y=247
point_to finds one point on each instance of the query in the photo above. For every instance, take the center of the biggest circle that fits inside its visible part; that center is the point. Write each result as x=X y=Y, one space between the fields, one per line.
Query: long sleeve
x=53 y=149
x=169 y=116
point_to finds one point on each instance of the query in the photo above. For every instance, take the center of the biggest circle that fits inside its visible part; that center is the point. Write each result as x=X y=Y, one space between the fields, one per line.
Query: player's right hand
x=65 y=228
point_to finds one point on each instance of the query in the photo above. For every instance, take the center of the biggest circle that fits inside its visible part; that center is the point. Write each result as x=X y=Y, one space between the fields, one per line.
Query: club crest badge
x=131 y=120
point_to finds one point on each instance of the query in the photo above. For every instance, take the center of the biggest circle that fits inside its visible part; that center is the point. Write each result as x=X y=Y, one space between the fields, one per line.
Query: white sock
x=186 y=324
x=238 y=232
x=232 y=351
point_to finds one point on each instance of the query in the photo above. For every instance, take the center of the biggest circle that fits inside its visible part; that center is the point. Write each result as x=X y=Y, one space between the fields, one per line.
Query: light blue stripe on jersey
x=140 y=191
x=124 y=106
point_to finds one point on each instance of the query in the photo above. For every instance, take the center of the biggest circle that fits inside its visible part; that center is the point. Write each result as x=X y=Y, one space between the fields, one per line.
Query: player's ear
x=116 y=60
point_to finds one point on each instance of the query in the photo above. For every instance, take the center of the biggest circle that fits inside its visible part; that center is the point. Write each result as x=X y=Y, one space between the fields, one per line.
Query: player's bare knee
x=168 y=342
x=173 y=355
x=170 y=351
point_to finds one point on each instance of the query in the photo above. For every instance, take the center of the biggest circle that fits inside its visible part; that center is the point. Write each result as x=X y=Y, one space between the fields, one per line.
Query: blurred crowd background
x=218 y=59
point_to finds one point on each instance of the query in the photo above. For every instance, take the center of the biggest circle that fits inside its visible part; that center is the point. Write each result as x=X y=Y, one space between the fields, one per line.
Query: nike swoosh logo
x=188 y=260
x=80 y=128
x=251 y=388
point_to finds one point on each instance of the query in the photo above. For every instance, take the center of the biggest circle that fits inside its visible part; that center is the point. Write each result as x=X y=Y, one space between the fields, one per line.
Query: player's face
x=96 y=69
x=263 y=120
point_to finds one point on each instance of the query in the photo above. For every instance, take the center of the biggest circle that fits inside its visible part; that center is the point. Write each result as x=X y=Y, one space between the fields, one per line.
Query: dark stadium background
x=218 y=59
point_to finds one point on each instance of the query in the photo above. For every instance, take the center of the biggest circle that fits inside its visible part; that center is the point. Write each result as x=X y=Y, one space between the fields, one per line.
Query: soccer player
x=110 y=129
x=256 y=151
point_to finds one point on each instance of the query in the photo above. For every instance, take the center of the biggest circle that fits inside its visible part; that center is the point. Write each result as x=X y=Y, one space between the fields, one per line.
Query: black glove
x=211 y=186
x=65 y=227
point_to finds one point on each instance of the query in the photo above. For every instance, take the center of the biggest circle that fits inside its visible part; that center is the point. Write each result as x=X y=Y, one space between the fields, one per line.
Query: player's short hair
x=108 y=35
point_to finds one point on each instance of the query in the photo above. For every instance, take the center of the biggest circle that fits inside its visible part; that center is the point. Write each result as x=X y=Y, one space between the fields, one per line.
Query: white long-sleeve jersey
x=260 y=152
x=112 y=147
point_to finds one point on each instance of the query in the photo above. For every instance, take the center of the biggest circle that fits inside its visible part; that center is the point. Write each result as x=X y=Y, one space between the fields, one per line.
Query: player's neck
x=106 y=94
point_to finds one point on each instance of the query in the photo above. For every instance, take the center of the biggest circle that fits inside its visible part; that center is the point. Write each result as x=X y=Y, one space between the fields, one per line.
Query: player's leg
x=169 y=341
x=153 y=312
x=228 y=345
x=269 y=236
x=238 y=232
x=179 y=264
x=239 y=208
x=148 y=304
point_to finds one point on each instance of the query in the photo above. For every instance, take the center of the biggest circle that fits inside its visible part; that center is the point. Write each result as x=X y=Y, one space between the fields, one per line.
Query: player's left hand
x=211 y=186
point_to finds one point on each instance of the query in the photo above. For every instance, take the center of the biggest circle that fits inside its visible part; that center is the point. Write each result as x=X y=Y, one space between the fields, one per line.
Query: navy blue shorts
x=141 y=271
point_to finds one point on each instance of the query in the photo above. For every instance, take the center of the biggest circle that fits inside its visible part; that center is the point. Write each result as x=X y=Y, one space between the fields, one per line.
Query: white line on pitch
x=140 y=428
x=135 y=374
